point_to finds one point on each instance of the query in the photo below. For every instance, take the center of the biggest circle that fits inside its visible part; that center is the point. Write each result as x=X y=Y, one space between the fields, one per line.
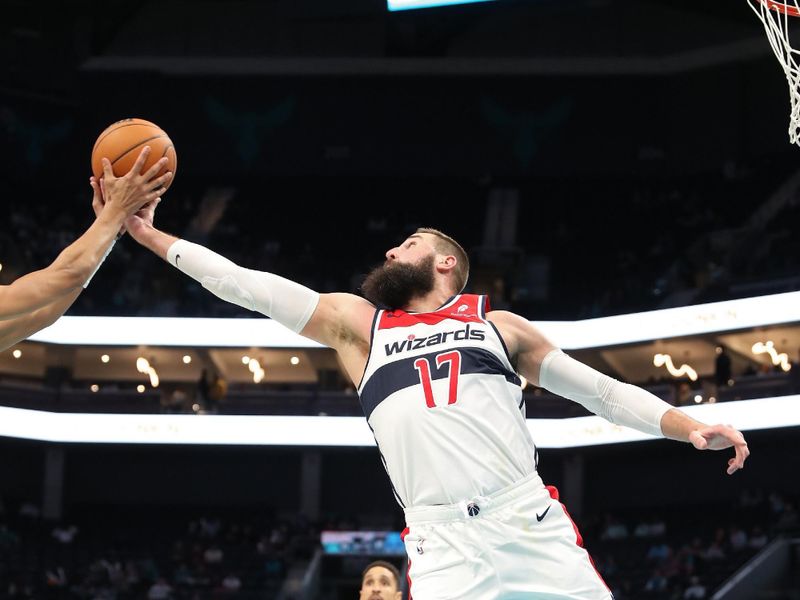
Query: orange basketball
x=121 y=143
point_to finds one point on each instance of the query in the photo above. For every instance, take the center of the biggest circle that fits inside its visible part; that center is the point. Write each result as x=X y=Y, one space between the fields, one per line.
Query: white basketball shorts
x=519 y=543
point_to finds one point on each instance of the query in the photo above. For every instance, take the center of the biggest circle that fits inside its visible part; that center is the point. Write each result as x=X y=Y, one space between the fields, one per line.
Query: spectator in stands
x=56 y=578
x=65 y=535
x=758 y=539
x=656 y=582
x=160 y=590
x=217 y=393
x=788 y=520
x=614 y=530
x=695 y=590
x=380 y=581
x=213 y=555
x=722 y=367
x=659 y=553
x=231 y=583
x=203 y=386
x=29 y=509
x=737 y=538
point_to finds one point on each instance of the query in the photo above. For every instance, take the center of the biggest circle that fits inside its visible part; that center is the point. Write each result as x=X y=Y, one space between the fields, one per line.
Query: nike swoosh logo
x=177 y=258
x=543 y=515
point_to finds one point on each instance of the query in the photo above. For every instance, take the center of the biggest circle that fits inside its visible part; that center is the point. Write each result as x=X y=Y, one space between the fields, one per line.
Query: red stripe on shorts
x=403 y=535
x=578 y=537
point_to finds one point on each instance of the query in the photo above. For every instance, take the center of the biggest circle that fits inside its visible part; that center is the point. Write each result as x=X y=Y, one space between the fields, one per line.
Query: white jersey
x=445 y=404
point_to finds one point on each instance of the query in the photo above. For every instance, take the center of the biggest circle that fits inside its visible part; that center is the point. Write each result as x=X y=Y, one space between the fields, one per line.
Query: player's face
x=379 y=584
x=407 y=273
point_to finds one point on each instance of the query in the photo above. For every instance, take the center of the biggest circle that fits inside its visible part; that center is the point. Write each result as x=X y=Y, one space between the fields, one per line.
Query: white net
x=777 y=17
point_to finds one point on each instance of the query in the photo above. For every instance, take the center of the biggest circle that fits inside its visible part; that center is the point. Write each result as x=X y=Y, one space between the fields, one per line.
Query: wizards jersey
x=445 y=404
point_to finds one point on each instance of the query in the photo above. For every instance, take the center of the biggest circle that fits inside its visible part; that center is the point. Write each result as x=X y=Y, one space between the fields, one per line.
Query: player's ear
x=446 y=262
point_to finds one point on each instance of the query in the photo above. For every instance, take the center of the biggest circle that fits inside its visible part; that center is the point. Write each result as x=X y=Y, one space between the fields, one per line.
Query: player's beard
x=393 y=285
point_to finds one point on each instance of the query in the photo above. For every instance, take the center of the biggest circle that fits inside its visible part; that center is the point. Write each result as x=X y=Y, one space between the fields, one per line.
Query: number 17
x=423 y=367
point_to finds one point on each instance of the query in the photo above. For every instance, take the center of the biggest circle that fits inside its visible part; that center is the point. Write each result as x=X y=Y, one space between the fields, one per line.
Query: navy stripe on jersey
x=371 y=338
x=386 y=468
x=401 y=374
x=502 y=342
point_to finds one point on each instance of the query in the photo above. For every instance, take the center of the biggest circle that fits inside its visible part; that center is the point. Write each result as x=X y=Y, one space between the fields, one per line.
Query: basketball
x=121 y=143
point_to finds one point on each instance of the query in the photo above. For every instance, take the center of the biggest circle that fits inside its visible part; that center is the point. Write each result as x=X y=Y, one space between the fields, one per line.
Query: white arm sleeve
x=289 y=303
x=620 y=403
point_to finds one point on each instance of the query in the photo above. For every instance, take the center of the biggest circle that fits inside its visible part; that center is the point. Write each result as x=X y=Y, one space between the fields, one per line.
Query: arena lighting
x=781 y=359
x=255 y=368
x=570 y=335
x=665 y=360
x=409 y=4
x=249 y=430
x=144 y=366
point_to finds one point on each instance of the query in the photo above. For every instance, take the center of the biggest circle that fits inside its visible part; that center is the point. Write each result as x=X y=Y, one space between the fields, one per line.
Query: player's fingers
x=102 y=184
x=137 y=166
x=160 y=181
x=107 y=170
x=155 y=194
x=155 y=169
x=737 y=462
x=698 y=441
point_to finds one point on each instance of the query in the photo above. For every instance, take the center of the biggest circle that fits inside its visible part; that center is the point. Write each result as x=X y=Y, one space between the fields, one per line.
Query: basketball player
x=437 y=375
x=380 y=581
x=38 y=299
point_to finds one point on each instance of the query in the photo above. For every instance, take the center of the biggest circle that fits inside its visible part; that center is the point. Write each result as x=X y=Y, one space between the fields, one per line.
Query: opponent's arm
x=20 y=328
x=76 y=263
x=621 y=403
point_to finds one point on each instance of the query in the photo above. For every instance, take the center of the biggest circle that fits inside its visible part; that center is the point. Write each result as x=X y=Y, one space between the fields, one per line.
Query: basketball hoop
x=776 y=17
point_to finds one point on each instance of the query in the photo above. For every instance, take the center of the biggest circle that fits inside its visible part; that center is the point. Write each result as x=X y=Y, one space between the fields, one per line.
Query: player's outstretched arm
x=20 y=328
x=621 y=403
x=78 y=261
x=336 y=320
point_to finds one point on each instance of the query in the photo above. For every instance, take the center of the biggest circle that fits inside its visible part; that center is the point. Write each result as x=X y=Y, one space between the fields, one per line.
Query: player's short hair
x=447 y=245
x=386 y=565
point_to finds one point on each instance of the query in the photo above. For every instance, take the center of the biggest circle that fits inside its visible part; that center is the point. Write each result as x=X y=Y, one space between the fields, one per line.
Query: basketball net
x=776 y=17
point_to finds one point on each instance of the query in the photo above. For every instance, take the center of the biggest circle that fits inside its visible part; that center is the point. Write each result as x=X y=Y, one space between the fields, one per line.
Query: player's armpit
x=340 y=320
x=526 y=345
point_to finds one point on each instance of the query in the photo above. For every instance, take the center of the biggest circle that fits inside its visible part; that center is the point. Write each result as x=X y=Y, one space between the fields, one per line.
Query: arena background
x=596 y=158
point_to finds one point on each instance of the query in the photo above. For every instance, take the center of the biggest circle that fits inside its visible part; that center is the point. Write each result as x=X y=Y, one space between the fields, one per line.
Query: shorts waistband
x=472 y=507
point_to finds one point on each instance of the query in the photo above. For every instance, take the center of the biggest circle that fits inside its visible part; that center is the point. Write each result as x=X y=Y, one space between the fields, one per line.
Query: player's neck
x=429 y=302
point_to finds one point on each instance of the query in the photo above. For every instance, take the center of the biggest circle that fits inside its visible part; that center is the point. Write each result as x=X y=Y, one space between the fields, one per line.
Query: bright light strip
x=781 y=359
x=409 y=4
x=589 y=333
x=665 y=360
x=249 y=430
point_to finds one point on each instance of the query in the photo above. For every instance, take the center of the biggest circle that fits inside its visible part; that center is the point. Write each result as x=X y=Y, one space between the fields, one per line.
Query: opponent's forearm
x=68 y=272
x=20 y=328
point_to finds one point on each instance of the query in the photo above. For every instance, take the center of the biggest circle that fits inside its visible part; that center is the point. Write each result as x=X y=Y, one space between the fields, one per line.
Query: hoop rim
x=781 y=7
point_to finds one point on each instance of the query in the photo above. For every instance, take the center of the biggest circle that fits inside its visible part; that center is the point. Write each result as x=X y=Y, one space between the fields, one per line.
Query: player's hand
x=98 y=202
x=143 y=220
x=129 y=193
x=720 y=437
